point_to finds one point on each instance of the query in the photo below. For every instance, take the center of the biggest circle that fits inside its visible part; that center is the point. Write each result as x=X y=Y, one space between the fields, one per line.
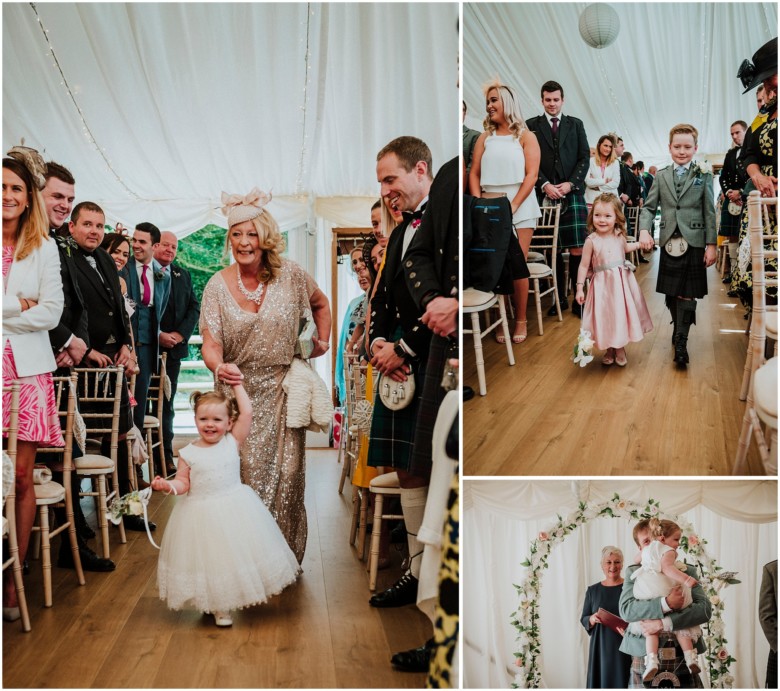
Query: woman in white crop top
x=506 y=163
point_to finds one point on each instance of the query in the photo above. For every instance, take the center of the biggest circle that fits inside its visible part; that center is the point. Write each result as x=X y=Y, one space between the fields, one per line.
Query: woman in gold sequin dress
x=249 y=320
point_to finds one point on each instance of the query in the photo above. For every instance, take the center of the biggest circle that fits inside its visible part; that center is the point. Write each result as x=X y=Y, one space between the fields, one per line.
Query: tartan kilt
x=392 y=431
x=430 y=401
x=572 y=229
x=771 y=670
x=678 y=668
x=684 y=276
x=729 y=224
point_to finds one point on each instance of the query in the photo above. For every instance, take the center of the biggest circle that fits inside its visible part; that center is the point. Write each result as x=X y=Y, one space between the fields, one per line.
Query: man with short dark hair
x=109 y=328
x=176 y=327
x=69 y=341
x=629 y=191
x=148 y=286
x=565 y=156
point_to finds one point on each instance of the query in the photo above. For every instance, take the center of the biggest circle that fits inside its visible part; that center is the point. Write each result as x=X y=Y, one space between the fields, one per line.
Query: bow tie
x=413 y=215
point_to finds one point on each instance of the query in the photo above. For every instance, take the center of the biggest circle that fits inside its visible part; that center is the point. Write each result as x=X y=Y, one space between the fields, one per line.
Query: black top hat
x=764 y=65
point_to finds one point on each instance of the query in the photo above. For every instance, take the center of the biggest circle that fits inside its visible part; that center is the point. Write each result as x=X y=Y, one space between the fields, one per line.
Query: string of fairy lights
x=85 y=127
x=305 y=105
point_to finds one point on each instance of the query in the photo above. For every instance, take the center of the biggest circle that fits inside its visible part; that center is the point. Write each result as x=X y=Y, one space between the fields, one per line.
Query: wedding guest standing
x=767 y=616
x=250 y=320
x=608 y=668
x=603 y=171
x=32 y=305
x=178 y=323
x=506 y=164
x=564 y=163
x=732 y=182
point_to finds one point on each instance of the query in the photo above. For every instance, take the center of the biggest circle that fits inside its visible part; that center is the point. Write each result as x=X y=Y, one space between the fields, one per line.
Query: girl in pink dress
x=32 y=305
x=615 y=310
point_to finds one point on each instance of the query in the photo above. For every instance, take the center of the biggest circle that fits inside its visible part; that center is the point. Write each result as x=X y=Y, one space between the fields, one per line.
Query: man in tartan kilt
x=398 y=342
x=767 y=617
x=565 y=156
x=687 y=233
x=659 y=616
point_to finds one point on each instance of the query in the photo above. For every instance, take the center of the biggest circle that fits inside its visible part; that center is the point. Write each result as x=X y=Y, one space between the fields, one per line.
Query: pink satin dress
x=615 y=311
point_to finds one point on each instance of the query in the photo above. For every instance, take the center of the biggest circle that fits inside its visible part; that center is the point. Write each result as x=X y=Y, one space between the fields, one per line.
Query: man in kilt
x=732 y=181
x=431 y=266
x=399 y=343
x=767 y=617
x=565 y=156
x=687 y=233
x=659 y=616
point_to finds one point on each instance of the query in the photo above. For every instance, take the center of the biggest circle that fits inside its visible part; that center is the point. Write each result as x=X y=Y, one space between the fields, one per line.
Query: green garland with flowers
x=713 y=578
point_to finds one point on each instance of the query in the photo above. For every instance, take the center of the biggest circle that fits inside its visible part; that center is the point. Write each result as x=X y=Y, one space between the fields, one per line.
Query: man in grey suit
x=687 y=233
x=658 y=615
x=767 y=616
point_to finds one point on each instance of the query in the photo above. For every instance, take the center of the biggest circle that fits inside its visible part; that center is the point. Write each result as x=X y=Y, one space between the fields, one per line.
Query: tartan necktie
x=147 y=290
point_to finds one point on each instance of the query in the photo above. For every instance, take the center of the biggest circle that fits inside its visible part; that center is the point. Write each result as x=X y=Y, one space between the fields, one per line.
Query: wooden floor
x=319 y=633
x=547 y=416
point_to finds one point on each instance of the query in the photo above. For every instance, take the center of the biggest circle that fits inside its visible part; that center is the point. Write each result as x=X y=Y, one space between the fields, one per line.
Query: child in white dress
x=222 y=549
x=656 y=578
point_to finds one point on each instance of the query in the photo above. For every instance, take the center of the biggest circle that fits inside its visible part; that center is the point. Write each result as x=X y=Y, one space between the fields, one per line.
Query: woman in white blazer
x=32 y=305
x=604 y=170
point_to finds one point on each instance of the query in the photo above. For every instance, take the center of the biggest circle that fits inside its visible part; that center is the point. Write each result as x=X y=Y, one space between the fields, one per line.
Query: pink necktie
x=147 y=290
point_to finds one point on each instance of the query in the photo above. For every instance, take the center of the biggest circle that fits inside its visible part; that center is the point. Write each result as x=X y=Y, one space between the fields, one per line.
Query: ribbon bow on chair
x=255 y=197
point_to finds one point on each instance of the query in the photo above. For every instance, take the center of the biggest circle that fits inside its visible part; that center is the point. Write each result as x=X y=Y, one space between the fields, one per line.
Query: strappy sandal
x=609 y=357
x=519 y=338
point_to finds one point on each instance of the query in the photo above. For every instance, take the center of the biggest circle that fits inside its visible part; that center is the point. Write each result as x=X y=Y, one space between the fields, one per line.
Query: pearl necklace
x=255 y=295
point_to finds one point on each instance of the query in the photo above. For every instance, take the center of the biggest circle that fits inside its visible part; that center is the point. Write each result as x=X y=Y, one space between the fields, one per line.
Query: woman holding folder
x=608 y=668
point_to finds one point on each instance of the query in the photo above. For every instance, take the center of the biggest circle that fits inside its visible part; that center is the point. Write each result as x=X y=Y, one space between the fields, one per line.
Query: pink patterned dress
x=38 y=419
x=615 y=311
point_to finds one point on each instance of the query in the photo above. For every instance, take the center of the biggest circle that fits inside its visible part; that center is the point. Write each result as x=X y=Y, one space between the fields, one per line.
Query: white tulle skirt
x=223 y=552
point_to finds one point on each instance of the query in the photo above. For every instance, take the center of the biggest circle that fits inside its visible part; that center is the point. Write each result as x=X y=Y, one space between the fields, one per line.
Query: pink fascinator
x=239 y=208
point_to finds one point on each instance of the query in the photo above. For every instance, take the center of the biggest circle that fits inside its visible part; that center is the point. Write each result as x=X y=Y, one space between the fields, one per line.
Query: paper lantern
x=599 y=25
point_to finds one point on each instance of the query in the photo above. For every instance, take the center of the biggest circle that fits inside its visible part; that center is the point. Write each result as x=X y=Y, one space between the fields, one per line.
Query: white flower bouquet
x=583 y=349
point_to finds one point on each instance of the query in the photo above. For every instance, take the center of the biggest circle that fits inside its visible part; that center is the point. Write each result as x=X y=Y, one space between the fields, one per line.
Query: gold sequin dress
x=262 y=346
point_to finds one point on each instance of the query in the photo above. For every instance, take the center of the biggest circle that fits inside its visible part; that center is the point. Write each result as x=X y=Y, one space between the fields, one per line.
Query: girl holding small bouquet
x=615 y=310
x=222 y=549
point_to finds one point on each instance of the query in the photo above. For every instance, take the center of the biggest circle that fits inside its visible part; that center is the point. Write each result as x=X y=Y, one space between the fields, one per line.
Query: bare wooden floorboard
x=546 y=416
x=319 y=633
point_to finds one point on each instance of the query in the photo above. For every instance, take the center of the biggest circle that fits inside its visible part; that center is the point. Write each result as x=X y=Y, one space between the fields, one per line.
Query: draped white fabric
x=164 y=105
x=500 y=518
x=632 y=86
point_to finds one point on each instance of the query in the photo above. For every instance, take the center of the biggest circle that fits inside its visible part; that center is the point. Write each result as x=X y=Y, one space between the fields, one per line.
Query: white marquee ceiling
x=630 y=86
x=160 y=107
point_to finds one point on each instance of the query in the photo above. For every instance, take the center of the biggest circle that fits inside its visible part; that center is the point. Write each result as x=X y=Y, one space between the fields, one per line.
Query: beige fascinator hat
x=239 y=208
x=31 y=160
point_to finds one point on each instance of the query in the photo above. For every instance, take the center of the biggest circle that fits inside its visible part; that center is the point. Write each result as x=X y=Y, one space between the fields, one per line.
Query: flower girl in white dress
x=222 y=549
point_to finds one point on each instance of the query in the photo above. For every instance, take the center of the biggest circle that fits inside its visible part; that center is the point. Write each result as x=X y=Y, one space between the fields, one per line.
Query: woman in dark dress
x=608 y=668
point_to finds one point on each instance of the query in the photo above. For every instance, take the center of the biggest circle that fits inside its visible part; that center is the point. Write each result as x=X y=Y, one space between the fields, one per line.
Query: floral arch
x=713 y=579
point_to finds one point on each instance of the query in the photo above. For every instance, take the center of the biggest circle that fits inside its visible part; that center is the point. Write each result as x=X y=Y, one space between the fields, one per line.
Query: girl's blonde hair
x=662 y=528
x=620 y=217
x=387 y=222
x=198 y=398
x=33 y=227
x=612 y=155
x=512 y=114
x=271 y=243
